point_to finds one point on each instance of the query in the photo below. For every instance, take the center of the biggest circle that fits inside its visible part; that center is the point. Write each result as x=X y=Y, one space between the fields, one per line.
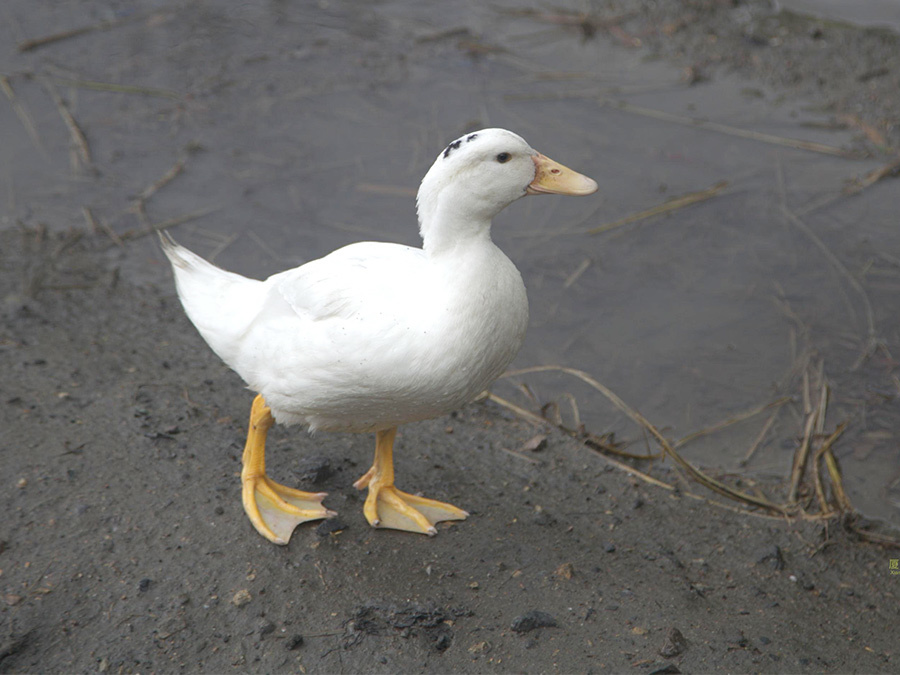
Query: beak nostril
x=554 y=171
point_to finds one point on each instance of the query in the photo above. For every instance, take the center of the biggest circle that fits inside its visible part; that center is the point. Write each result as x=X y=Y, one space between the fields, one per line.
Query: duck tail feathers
x=221 y=304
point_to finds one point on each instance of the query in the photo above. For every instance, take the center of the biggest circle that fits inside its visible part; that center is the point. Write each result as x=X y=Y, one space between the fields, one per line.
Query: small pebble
x=144 y=584
x=241 y=598
x=535 y=444
x=294 y=642
x=531 y=620
x=565 y=571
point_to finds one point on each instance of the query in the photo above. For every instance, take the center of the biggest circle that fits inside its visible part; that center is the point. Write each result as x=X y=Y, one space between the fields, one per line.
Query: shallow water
x=308 y=127
x=878 y=13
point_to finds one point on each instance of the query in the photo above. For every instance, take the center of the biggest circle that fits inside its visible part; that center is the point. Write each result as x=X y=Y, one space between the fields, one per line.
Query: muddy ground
x=124 y=547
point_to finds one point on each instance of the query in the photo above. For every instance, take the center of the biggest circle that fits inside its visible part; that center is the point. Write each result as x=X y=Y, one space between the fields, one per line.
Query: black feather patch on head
x=453 y=146
x=471 y=137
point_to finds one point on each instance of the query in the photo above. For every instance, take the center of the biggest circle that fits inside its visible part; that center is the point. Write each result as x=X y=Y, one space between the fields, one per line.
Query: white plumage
x=375 y=335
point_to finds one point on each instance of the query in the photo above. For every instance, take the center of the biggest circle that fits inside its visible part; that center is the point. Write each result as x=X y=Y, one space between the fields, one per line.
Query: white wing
x=360 y=279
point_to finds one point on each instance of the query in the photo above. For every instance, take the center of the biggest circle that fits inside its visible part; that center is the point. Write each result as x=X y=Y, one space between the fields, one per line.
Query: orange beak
x=553 y=178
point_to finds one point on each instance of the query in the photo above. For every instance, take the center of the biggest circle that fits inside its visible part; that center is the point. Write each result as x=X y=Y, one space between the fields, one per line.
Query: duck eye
x=504 y=157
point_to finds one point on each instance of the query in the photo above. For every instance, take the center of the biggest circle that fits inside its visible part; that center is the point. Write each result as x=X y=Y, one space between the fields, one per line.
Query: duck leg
x=274 y=510
x=386 y=506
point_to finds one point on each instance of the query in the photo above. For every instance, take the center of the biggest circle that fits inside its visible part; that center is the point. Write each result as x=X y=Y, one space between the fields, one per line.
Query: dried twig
x=96 y=225
x=836 y=479
x=694 y=472
x=576 y=274
x=871 y=339
x=34 y=43
x=802 y=454
x=671 y=205
x=166 y=224
x=164 y=180
x=390 y=190
x=732 y=420
x=221 y=247
x=759 y=438
x=891 y=169
x=79 y=141
x=23 y=115
x=814 y=441
x=115 y=87
x=834 y=471
x=731 y=131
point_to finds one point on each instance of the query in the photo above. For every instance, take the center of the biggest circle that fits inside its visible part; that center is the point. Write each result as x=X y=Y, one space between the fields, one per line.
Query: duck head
x=477 y=176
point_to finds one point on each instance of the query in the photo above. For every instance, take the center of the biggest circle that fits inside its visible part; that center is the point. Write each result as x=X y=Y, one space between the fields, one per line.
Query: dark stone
x=772 y=556
x=609 y=547
x=668 y=669
x=330 y=526
x=144 y=584
x=531 y=620
x=443 y=642
x=544 y=519
x=314 y=470
x=674 y=644
x=737 y=639
x=294 y=642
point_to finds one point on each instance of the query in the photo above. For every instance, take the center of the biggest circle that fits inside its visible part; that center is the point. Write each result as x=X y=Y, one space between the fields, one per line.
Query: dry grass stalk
x=593 y=441
x=79 y=141
x=731 y=131
x=576 y=274
x=871 y=340
x=814 y=443
x=695 y=473
x=666 y=207
x=23 y=114
x=837 y=482
x=164 y=180
x=388 y=190
x=891 y=169
x=117 y=88
x=802 y=454
x=753 y=412
x=760 y=437
x=96 y=225
x=34 y=43
x=166 y=224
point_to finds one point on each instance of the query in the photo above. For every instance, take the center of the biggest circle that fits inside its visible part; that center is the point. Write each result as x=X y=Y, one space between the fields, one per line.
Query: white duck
x=375 y=335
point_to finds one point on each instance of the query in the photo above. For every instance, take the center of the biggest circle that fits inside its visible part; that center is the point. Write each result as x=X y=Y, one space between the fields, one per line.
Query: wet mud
x=124 y=546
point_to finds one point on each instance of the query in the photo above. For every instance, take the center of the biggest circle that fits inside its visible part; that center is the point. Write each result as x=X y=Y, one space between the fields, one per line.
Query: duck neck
x=447 y=223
